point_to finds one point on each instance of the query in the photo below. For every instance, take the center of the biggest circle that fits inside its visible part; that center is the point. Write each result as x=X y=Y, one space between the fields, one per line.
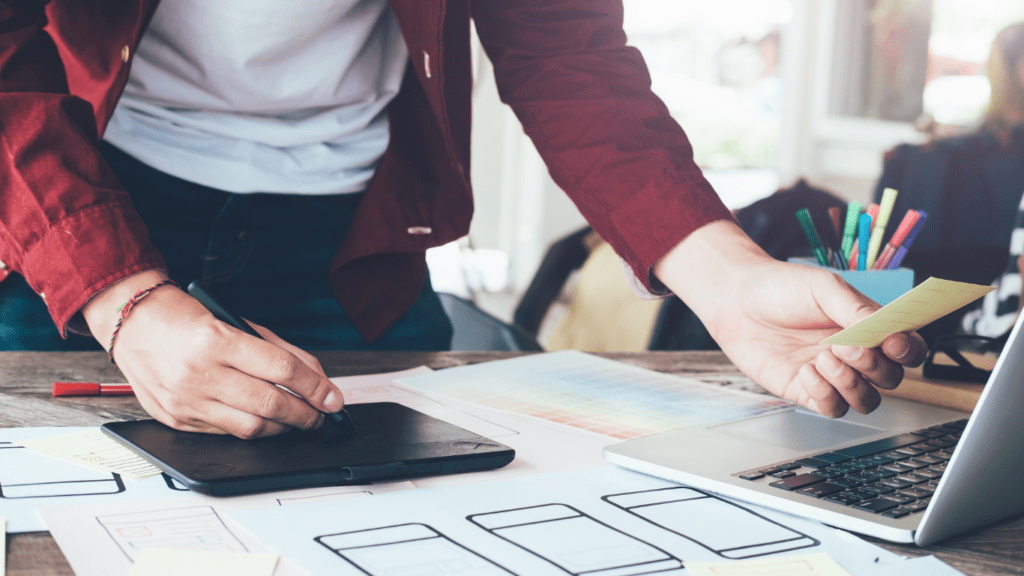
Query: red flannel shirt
x=563 y=66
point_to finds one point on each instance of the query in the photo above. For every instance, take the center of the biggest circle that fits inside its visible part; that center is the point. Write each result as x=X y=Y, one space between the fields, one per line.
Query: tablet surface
x=393 y=442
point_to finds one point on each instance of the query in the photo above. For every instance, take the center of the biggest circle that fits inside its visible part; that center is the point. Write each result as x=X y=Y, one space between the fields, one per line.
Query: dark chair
x=474 y=329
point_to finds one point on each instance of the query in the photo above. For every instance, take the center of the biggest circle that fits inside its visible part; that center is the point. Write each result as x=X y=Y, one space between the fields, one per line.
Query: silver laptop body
x=983 y=480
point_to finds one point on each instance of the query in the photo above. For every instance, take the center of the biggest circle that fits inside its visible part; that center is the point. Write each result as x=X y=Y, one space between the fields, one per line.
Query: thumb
x=843 y=303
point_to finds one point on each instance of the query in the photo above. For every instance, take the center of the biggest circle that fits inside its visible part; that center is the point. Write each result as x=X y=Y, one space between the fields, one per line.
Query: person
x=998 y=311
x=301 y=157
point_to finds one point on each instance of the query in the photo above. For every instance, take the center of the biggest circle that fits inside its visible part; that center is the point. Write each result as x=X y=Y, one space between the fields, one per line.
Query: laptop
x=907 y=472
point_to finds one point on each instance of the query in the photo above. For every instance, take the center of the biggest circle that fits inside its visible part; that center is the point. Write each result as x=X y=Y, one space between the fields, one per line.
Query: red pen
x=91 y=389
x=908 y=222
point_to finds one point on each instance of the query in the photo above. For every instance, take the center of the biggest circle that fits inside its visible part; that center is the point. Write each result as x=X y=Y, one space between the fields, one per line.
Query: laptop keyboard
x=893 y=477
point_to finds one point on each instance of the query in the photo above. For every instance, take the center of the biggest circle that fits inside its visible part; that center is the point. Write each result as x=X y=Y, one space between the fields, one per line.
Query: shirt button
x=3 y=265
x=125 y=53
x=426 y=63
x=43 y=296
x=420 y=230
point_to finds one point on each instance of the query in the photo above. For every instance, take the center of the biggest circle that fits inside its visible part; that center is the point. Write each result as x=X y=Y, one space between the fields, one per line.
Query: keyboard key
x=930 y=459
x=845 y=482
x=915 y=493
x=791 y=466
x=898 y=467
x=896 y=483
x=784 y=474
x=927 y=473
x=752 y=476
x=833 y=457
x=883 y=445
x=821 y=490
x=844 y=498
x=900 y=498
x=896 y=512
x=929 y=433
x=863 y=477
x=844 y=469
x=799 y=481
x=829 y=473
x=770 y=471
x=813 y=463
x=916 y=506
x=879 y=473
x=877 y=505
x=912 y=477
x=878 y=489
x=915 y=450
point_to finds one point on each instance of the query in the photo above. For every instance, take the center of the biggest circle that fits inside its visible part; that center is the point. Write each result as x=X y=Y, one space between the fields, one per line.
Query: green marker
x=812 y=235
x=850 y=229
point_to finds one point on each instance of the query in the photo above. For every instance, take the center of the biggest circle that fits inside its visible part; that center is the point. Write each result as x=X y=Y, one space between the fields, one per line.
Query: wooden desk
x=26 y=377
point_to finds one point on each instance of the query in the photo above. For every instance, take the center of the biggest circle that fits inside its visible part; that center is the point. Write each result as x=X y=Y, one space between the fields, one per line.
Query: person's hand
x=195 y=373
x=769 y=317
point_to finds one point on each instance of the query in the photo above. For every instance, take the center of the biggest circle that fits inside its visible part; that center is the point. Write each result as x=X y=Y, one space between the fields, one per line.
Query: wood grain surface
x=25 y=386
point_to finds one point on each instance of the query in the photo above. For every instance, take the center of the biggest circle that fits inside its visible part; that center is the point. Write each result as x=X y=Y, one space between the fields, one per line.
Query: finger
x=252 y=396
x=221 y=417
x=854 y=389
x=872 y=365
x=299 y=353
x=824 y=398
x=907 y=349
x=153 y=406
x=840 y=301
x=267 y=361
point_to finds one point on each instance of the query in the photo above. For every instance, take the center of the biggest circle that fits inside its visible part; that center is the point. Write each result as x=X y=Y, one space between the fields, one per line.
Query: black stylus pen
x=340 y=419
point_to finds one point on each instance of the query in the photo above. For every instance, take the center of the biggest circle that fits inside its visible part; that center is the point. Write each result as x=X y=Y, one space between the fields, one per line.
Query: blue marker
x=863 y=238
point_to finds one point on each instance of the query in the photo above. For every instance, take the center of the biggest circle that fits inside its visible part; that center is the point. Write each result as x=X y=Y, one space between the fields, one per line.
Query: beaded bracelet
x=126 y=309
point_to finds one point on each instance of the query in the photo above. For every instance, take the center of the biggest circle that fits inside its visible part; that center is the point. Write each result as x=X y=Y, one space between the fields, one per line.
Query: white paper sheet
x=591 y=393
x=105 y=539
x=28 y=480
x=608 y=521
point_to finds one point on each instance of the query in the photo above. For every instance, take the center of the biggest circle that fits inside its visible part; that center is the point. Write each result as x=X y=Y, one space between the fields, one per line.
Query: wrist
x=102 y=311
x=709 y=265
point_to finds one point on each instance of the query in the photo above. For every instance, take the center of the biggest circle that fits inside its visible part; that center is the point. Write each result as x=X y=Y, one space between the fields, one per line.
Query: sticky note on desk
x=929 y=301
x=160 y=562
x=819 y=564
x=92 y=449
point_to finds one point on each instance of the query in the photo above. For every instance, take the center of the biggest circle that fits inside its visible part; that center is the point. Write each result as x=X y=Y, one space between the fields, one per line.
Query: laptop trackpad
x=796 y=430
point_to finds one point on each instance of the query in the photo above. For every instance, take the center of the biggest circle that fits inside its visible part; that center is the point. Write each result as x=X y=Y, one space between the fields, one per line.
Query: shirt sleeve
x=584 y=97
x=66 y=224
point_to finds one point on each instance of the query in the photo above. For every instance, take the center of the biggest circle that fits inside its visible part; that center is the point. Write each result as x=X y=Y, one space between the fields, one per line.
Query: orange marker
x=906 y=225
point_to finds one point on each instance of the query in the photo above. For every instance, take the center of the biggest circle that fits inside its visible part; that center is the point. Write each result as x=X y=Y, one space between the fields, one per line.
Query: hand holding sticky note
x=931 y=300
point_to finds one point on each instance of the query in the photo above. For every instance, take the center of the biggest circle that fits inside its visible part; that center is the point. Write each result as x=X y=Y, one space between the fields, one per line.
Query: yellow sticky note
x=819 y=564
x=931 y=300
x=160 y=562
x=92 y=449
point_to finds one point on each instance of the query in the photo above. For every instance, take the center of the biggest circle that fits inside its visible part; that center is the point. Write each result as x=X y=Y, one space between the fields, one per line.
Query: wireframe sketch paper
x=93 y=449
x=591 y=393
x=929 y=301
x=28 y=480
x=603 y=521
x=160 y=562
x=107 y=539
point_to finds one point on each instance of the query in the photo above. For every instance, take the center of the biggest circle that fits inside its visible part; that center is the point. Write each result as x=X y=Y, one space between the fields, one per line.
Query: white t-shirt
x=263 y=95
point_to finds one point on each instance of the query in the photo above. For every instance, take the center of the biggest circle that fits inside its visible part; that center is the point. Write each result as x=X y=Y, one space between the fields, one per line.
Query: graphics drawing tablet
x=393 y=442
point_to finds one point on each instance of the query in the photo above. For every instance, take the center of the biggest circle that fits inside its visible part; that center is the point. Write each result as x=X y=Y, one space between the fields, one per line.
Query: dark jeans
x=266 y=256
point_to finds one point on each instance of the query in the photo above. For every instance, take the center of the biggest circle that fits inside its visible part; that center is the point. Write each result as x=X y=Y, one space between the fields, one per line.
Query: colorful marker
x=898 y=258
x=894 y=243
x=878 y=224
x=863 y=237
x=91 y=389
x=812 y=236
x=850 y=229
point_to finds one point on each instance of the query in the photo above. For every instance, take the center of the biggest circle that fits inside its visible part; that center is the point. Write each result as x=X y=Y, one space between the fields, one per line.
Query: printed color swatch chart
x=592 y=393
